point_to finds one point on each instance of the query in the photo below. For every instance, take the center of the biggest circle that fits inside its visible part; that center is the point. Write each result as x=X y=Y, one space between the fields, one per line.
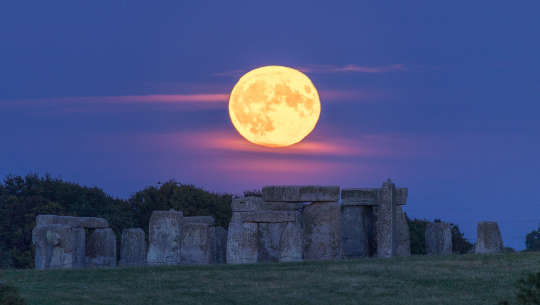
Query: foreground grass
x=466 y=279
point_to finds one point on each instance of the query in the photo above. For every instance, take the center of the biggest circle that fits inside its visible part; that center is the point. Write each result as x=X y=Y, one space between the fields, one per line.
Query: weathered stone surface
x=358 y=222
x=359 y=196
x=242 y=244
x=83 y=222
x=133 y=247
x=196 y=243
x=165 y=238
x=59 y=246
x=322 y=231
x=291 y=243
x=268 y=216
x=488 y=238
x=219 y=248
x=438 y=239
x=300 y=193
x=101 y=248
x=269 y=236
x=245 y=204
x=404 y=239
x=401 y=196
x=386 y=221
x=199 y=219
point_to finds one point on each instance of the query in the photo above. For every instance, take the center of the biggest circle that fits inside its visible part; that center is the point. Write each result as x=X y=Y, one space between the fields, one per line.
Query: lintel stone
x=269 y=216
x=199 y=219
x=360 y=196
x=72 y=221
x=300 y=193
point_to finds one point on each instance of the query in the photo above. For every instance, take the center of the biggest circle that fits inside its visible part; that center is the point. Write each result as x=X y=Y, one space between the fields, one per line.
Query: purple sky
x=443 y=98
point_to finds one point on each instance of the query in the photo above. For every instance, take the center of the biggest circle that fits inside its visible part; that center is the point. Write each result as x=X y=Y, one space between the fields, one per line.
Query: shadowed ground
x=466 y=279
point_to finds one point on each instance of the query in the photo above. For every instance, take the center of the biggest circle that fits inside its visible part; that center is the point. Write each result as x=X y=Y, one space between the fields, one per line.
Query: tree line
x=22 y=198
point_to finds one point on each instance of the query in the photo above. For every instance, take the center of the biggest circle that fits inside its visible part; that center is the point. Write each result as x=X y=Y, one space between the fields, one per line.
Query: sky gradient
x=441 y=97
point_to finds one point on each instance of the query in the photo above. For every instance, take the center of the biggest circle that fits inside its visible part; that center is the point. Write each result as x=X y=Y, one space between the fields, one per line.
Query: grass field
x=466 y=279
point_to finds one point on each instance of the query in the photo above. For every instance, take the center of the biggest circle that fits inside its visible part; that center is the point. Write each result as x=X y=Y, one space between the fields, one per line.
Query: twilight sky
x=444 y=98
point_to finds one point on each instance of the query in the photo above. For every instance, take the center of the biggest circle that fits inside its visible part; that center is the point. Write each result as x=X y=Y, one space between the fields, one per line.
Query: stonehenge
x=277 y=224
x=295 y=223
x=488 y=238
x=438 y=238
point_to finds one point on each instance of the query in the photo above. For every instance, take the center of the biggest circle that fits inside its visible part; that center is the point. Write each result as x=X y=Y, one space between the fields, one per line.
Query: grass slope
x=466 y=279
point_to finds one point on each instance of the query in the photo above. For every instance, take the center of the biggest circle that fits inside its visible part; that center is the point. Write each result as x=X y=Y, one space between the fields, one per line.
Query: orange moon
x=274 y=106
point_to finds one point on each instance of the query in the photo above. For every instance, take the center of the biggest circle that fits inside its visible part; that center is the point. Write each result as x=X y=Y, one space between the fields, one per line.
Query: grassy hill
x=465 y=279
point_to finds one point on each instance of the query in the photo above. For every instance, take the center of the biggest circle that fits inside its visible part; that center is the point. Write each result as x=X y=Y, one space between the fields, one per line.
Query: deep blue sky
x=441 y=97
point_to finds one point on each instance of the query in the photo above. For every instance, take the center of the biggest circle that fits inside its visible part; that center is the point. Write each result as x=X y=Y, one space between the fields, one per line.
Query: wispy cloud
x=352 y=68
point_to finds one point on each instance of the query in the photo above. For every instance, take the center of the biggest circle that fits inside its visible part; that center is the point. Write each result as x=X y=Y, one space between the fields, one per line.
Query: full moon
x=274 y=106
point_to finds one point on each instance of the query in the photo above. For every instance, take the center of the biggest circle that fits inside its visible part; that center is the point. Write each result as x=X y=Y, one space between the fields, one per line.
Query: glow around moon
x=274 y=106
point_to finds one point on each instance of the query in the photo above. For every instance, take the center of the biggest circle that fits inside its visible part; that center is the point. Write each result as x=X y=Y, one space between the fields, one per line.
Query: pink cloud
x=150 y=98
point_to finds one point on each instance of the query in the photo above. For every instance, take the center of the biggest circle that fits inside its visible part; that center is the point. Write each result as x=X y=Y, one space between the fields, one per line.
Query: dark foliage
x=460 y=245
x=22 y=198
x=417 y=230
x=532 y=240
x=192 y=201
x=10 y=296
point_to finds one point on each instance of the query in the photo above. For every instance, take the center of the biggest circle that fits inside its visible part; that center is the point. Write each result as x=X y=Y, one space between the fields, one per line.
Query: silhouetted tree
x=532 y=240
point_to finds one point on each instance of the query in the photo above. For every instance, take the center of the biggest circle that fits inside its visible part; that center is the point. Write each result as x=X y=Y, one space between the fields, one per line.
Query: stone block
x=386 y=221
x=488 y=238
x=268 y=216
x=83 y=222
x=269 y=236
x=242 y=243
x=358 y=228
x=133 y=247
x=101 y=248
x=196 y=243
x=359 y=196
x=291 y=242
x=438 y=239
x=404 y=239
x=300 y=193
x=59 y=246
x=401 y=196
x=165 y=238
x=322 y=231
x=209 y=220
x=219 y=248
x=245 y=204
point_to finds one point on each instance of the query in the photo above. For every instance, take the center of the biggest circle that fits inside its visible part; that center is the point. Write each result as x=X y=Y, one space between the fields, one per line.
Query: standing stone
x=404 y=240
x=242 y=243
x=133 y=248
x=488 y=238
x=322 y=231
x=438 y=239
x=357 y=229
x=269 y=237
x=58 y=246
x=165 y=238
x=101 y=248
x=197 y=240
x=386 y=221
x=291 y=242
x=219 y=249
